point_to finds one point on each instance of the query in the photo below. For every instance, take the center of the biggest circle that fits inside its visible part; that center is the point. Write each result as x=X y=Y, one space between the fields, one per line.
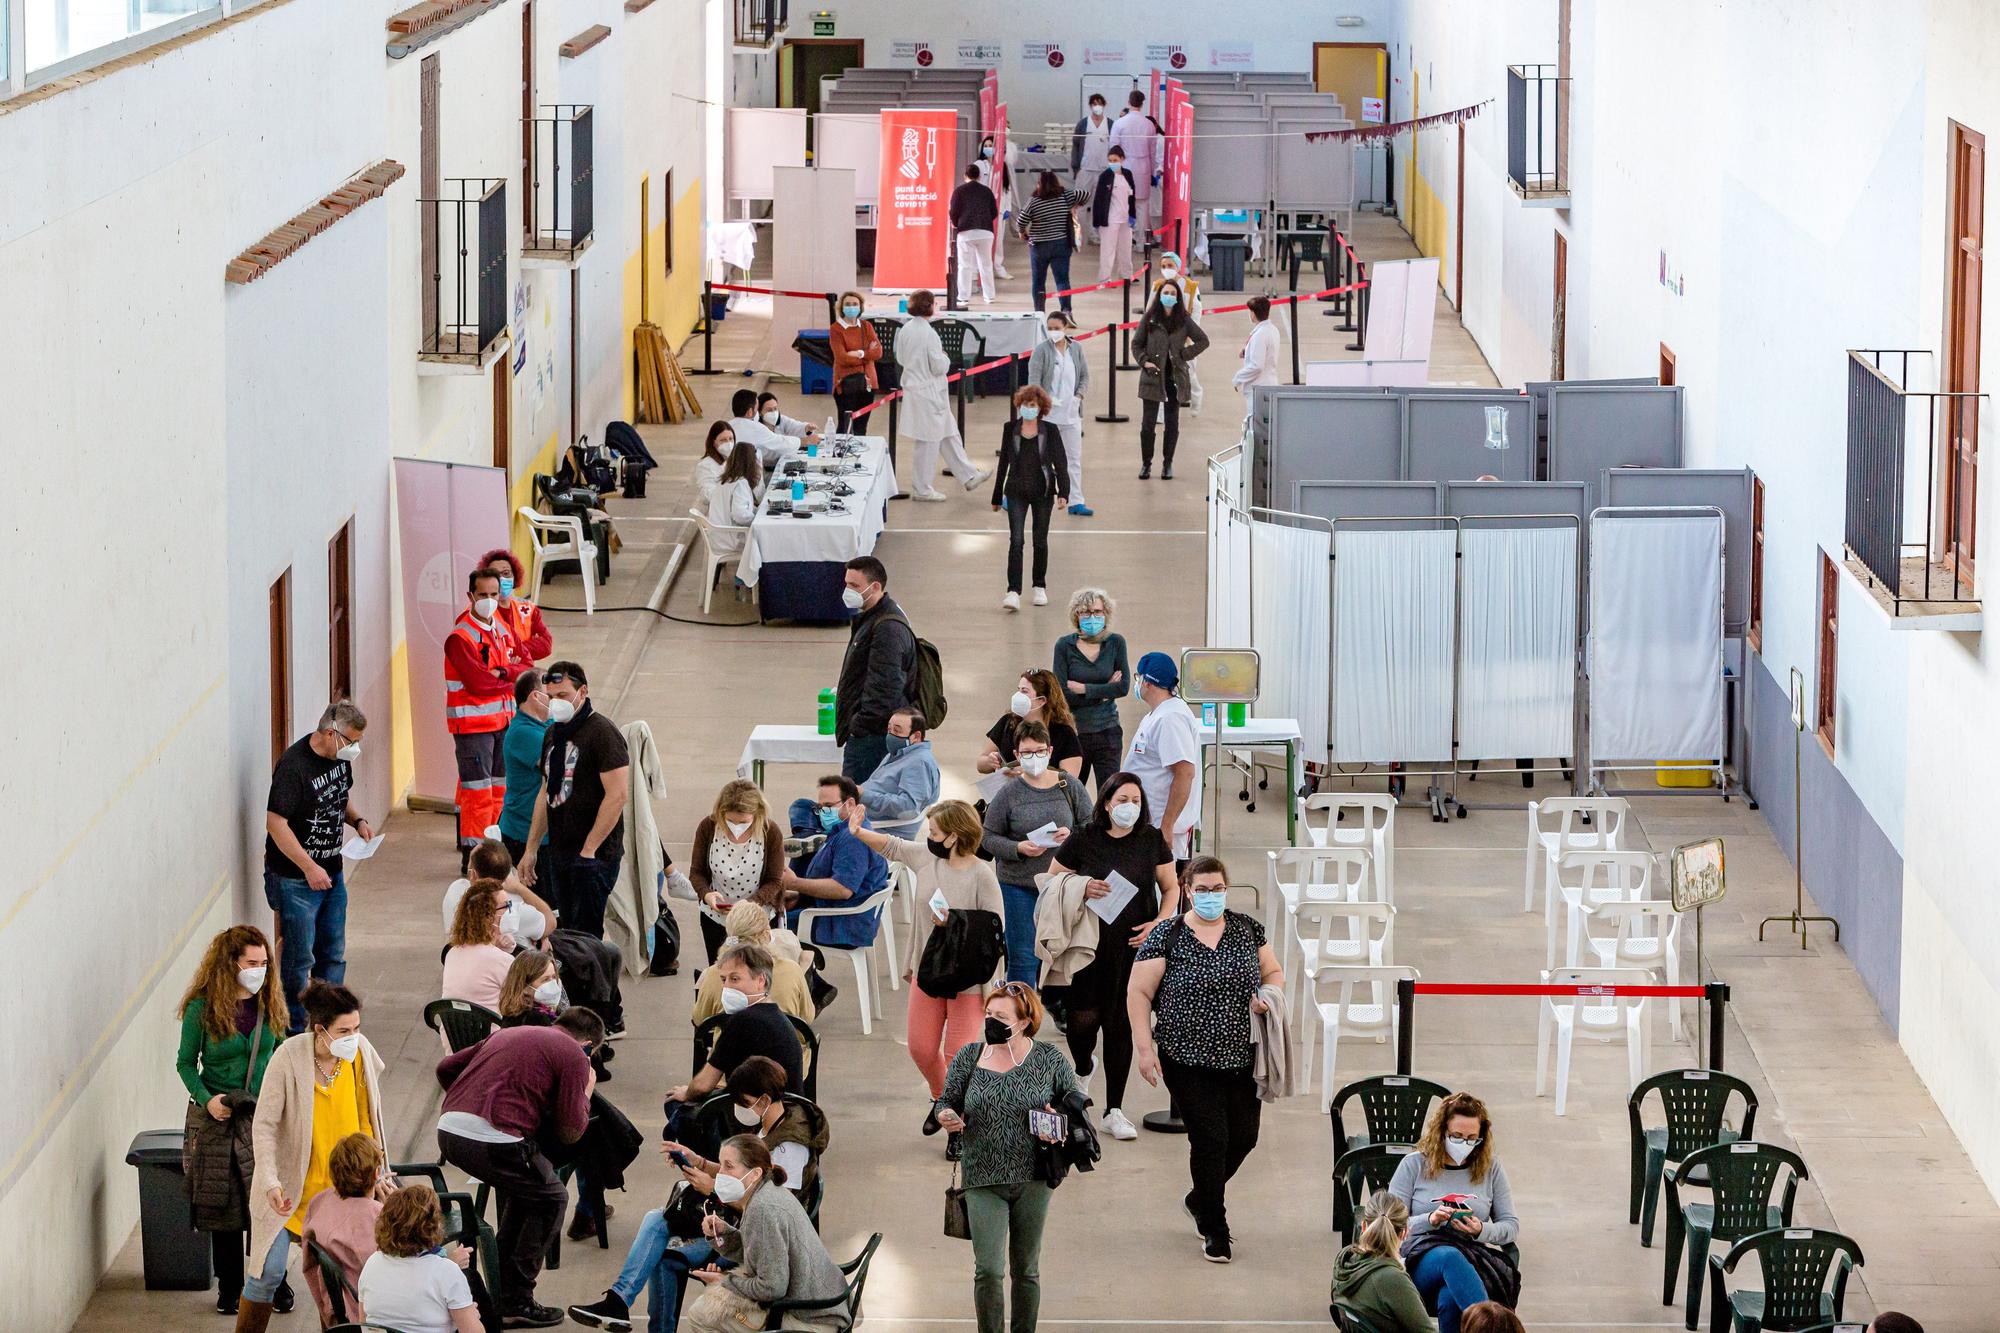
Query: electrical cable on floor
x=678 y=620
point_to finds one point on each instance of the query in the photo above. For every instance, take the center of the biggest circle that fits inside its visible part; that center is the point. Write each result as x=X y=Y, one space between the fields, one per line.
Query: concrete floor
x=1119 y=1254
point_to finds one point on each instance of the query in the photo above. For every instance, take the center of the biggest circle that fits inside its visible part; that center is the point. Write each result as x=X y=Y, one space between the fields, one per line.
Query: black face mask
x=998 y=1031
x=941 y=850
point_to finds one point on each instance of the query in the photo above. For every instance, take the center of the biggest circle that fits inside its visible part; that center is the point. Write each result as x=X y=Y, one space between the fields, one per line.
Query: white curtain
x=1228 y=623
x=1289 y=627
x=1393 y=613
x=1517 y=642
x=1655 y=637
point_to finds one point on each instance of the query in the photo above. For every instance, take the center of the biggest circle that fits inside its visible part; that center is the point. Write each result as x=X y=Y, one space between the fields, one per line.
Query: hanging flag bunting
x=1365 y=132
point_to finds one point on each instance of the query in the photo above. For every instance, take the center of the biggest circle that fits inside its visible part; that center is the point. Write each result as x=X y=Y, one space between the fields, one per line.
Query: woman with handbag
x=856 y=349
x=231 y=1020
x=775 y=1253
x=990 y=1094
x=1032 y=478
x=950 y=876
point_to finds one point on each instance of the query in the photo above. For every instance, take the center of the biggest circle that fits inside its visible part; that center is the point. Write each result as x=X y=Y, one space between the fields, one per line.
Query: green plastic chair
x=1846 y=1327
x=333 y=1278
x=964 y=347
x=1394 y=1109
x=1742 y=1178
x=1371 y=1166
x=461 y=1022
x=464 y=1216
x=855 y=1270
x=1796 y=1264
x=1349 y=1320
x=1696 y=1103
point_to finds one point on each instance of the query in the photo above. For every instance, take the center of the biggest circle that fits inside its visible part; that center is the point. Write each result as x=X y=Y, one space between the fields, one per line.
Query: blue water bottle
x=902 y=305
x=1208 y=715
x=798 y=491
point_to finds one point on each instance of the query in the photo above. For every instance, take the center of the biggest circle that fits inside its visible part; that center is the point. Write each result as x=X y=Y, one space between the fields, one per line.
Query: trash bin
x=1225 y=262
x=177 y=1256
x=815 y=361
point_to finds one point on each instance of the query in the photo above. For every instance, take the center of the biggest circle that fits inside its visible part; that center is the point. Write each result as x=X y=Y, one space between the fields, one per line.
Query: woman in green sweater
x=232 y=1019
x=1368 y=1278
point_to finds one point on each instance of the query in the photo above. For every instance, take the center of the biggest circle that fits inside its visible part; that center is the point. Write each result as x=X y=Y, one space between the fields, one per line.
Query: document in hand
x=359 y=849
x=1111 y=904
x=1045 y=836
x=989 y=786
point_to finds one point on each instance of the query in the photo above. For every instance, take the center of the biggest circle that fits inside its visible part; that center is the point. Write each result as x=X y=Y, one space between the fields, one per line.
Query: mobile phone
x=679 y=1158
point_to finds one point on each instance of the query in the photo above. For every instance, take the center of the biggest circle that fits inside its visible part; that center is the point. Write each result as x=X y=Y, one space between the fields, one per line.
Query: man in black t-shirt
x=756 y=1026
x=586 y=776
x=303 y=821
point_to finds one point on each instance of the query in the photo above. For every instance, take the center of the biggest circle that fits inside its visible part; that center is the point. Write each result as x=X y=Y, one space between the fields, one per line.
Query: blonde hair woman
x=738 y=856
x=1458 y=1197
x=750 y=923
x=1368 y=1278
x=1095 y=673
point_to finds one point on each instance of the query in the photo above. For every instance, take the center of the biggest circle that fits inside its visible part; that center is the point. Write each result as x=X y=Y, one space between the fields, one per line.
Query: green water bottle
x=826 y=712
x=1239 y=714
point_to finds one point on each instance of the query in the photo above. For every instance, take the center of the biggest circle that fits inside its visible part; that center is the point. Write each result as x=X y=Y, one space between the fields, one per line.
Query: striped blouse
x=1046 y=221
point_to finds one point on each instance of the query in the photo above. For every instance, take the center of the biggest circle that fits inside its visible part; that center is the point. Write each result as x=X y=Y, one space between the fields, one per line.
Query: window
x=428 y=189
x=58 y=32
x=1669 y=365
x=667 y=208
x=1829 y=628
x=340 y=614
x=1756 y=634
x=281 y=664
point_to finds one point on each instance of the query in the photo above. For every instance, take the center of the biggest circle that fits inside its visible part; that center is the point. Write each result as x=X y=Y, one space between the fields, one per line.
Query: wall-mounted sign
x=920 y=54
x=1104 y=55
x=823 y=23
x=1232 y=55
x=1039 y=53
x=1373 y=112
x=1166 y=55
x=1219 y=675
x=978 y=55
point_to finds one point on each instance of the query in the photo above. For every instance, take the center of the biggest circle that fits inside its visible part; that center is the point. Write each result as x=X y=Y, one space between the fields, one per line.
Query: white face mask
x=1459 y=1149
x=1057 y=335
x=561 y=710
x=747 y=1116
x=734 y=1001
x=1034 y=765
x=1023 y=703
x=345 y=1048
x=851 y=599
x=730 y=1189
x=252 y=978
x=737 y=829
x=1126 y=815
x=485 y=607
x=771 y=417
x=510 y=920
x=549 y=994
x=350 y=751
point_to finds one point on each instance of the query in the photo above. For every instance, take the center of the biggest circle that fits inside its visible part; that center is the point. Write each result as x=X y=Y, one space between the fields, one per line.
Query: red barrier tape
x=767 y=291
x=1093 y=287
x=1586 y=991
x=1285 y=298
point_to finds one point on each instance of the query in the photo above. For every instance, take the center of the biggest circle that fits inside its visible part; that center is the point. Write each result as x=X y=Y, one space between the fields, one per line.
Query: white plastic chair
x=902 y=884
x=1582 y=880
x=1343 y=1013
x=712 y=559
x=1607 y=826
x=1329 y=874
x=868 y=997
x=1373 y=827
x=1339 y=934
x=1604 y=1018
x=1644 y=933
x=572 y=546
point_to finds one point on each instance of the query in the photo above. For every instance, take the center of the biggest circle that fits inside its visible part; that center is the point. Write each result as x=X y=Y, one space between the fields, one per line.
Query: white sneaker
x=972 y=482
x=1001 y=273
x=1041 y=597
x=1011 y=602
x=933 y=497
x=1118 y=1127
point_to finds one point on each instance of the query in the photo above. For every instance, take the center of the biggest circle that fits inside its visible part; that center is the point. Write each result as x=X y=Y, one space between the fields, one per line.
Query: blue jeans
x=1022 y=965
x=660 y=1265
x=862 y=755
x=1051 y=256
x=313 y=924
x=1449 y=1284
x=582 y=887
x=264 y=1286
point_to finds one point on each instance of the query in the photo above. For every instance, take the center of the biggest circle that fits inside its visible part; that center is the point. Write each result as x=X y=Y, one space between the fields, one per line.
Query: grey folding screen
x=1595 y=427
x=1345 y=437
x=1444 y=438
x=1728 y=489
x=1509 y=499
x=1367 y=499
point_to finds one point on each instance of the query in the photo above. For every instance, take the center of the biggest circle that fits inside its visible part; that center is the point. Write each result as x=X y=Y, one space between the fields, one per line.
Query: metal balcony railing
x=1905 y=535
x=758 y=22
x=1538 y=133
x=558 y=212
x=465 y=296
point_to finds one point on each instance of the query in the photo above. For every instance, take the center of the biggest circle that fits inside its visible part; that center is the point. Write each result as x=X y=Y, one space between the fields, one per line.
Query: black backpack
x=963 y=952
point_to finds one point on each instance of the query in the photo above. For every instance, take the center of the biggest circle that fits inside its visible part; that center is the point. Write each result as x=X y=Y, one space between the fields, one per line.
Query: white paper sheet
x=1045 y=836
x=1655 y=637
x=1111 y=904
x=989 y=786
x=357 y=848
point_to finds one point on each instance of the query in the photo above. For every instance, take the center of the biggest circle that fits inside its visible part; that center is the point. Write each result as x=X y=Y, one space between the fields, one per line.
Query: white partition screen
x=852 y=141
x=1228 y=562
x=1393 y=607
x=757 y=140
x=1517 y=642
x=1290 y=609
x=1655 y=637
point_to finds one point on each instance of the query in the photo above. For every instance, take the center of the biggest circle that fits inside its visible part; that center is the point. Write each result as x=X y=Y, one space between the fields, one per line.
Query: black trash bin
x=1226 y=255
x=177 y=1256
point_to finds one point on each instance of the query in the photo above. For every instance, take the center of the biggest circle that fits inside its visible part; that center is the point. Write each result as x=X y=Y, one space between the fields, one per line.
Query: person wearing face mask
x=1037 y=698
x=750 y=429
x=1093 y=674
x=1368 y=1277
x=844 y=870
x=1032 y=478
x=750 y=923
x=756 y=1026
x=586 y=776
x=231 y=1022
x=1166 y=342
x=856 y=349
x=733 y=502
x=1139 y=137
x=521 y=616
x=927 y=416
x=321 y=1086
x=950 y=876
x=531 y=994
x=534 y=919
x=1120 y=840
x=1114 y=209
x=1166 y=752
x=906 y=783
x=878 y=670
x=1194 y=987
x=482 y=660
x=1457 y=1250
x=1058 y=367
x=988 y=1092
x=1041 y=796
x=1089 y=150
x=304 y=816
x=773 y=1251
x=1048 y=225
x=1260 y=353
x=521 y=755
x=975 y=214
x=715 y=453
x=738 y=856
x=482 y=945
x=509 y=1102
x=789 y=427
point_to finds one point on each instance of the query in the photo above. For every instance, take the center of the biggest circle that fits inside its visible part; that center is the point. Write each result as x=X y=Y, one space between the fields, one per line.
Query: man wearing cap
x=1166 y=753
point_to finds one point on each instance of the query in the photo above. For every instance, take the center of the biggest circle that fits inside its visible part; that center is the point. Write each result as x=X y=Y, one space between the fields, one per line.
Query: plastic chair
x=1370 y=1167
x=1741 y=1178
x=1844 y=1327
x=1582 y=880
x=855 y=1270
x=1696 y=1105
x=1796 y=1263
x=460 y=1022
x=868 y=995
x=704 y=1041
x=1340 y=1016
x=1394 y=1109
x=333 y=1278
x=1602 y=1018
x=1646 y=933
x=902 y=885
x=570 y=546
x=1335 y=934
x=360 y=1328
x=712 y=559
x=1375 y=829
x=954 y=334
x=1347 y=1320
x=1582 y=823
x=464 y=1215
x=1327 y=874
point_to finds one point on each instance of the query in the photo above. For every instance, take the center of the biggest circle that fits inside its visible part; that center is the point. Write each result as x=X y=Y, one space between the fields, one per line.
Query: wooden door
x=1965 y=262
x=1352 y=71
x=530 y=222
x=428 y=185
x=1559 y=315
x=1669 y=365
x=280 y=651
x=1829 y=642
x=503 y=415
x=340 y=614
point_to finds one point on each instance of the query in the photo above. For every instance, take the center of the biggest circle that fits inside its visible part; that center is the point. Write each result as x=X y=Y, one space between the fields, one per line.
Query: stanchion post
x=951 y=301
x=1110 y=414
x=1718 y=1006
x=708 y=328
x=1406 y=1023
x=1360 y=343
x=1294 y=339
x=1123 y=360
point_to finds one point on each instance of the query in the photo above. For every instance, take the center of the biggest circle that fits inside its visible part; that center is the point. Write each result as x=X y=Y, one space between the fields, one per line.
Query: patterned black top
x=999 y=1149
x=1201 y=1011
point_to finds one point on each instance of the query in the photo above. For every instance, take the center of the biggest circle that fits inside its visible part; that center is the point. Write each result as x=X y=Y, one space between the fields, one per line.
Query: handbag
x=718 y=1306
x=961 y=953
x=957 y=1217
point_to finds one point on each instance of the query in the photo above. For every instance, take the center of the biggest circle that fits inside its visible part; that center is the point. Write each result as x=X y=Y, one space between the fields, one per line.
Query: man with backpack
x=886 y=667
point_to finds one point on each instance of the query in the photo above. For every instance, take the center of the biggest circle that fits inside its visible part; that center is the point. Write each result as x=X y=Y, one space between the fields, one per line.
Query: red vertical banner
x=999 y=182
x=1177 y=213
x=912 y=233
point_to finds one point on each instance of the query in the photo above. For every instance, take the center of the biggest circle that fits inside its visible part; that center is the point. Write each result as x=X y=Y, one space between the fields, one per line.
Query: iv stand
x=1797 y=917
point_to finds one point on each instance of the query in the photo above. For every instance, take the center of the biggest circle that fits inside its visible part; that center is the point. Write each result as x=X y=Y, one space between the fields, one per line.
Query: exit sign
x=823 y=23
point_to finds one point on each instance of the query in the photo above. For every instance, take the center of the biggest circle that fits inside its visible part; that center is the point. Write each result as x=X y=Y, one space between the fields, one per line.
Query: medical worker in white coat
x=1139 y=135
x=1260 y=353
x=926 y=417
x=1059 y=367
x=1088 y=145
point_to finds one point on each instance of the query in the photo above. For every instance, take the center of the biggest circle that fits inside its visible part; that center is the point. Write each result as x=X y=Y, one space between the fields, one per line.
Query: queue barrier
x=1715 y=993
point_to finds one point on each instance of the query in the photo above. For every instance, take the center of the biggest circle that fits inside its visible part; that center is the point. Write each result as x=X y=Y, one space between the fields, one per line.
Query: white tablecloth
x=786 y=743
x=1254 y=731
x=1005 y=331
x=835 y=538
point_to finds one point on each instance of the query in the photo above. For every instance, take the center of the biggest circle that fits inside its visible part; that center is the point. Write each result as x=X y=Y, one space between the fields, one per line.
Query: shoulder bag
x=957 y=1217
